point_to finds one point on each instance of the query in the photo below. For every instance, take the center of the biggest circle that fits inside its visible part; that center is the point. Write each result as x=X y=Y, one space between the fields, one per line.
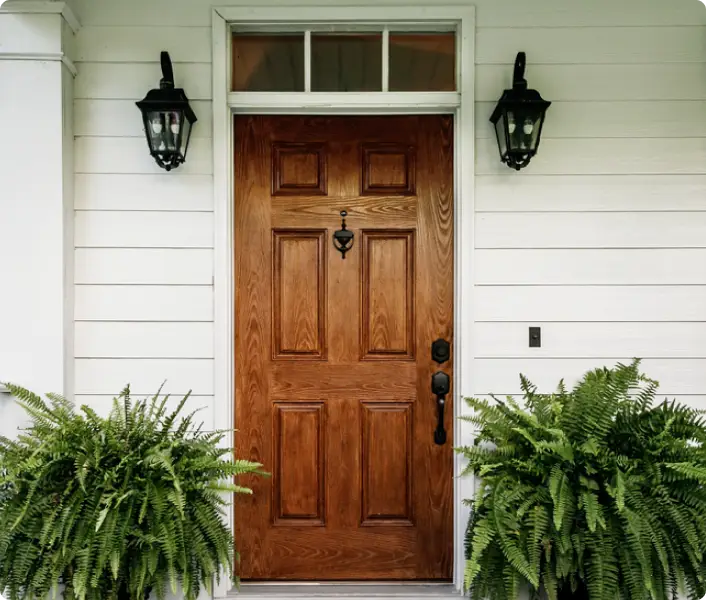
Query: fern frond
x=113 y=506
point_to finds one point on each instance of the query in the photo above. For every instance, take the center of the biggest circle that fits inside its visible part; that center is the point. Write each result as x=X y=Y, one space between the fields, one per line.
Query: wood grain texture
x=360 y=491
x=387 y=289
x=298 y=169
x=433 y=488
x=299 y=484
x=389 y=169
x=299 y=294
x=364 y=211
x=362 y=380
x=387 y=461
x=253 y=265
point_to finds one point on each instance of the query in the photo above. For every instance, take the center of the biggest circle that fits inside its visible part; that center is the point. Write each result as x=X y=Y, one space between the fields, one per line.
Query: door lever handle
x=440 y=387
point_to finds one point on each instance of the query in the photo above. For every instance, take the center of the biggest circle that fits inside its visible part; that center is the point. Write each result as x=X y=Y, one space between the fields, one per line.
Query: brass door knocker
x=343 y=238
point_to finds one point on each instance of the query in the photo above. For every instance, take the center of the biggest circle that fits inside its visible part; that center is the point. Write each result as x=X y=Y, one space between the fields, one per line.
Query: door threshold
x=359 y=591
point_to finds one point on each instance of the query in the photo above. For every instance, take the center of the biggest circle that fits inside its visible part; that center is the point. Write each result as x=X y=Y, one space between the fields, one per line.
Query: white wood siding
x=601 y=241
x=36 y=206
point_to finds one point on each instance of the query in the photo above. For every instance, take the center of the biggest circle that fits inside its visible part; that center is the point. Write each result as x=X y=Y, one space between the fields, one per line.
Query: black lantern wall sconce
x=168 y=119
x=518 y=119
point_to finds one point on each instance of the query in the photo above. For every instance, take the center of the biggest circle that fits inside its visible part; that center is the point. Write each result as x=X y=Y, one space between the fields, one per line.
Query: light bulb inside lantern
x=175 y=124
x=528 y=127
x=156 y=126
x=511 y=126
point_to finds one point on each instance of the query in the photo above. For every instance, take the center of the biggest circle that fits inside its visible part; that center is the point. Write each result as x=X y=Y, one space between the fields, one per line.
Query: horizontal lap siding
x=201 y=405
x=144 y=239
x=677 y=376
x=105 y=376
x=601 y=240
x=590 y=267
x=490 y=13
x=591 y=230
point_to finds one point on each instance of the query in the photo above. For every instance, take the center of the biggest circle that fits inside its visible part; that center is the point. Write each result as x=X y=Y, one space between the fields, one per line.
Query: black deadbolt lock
x=440 y=351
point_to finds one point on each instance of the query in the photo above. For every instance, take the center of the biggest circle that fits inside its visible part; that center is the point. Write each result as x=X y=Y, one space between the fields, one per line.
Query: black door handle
x=440 y=386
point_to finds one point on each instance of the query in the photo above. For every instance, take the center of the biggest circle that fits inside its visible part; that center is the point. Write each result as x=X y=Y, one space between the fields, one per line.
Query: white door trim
x=461 y=104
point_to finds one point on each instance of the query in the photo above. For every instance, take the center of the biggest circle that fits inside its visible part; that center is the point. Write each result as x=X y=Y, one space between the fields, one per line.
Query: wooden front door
x=333 y=356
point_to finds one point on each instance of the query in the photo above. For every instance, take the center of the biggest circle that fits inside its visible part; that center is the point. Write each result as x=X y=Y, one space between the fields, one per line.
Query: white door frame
x=460 y=104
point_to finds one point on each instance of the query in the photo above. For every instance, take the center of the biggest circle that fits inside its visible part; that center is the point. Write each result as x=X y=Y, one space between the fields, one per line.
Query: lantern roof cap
x=167 y=97
x=519 y=96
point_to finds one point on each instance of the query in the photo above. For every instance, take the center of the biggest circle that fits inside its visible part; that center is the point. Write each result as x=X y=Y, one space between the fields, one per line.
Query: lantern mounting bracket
x=518 y=79
x=167 y=82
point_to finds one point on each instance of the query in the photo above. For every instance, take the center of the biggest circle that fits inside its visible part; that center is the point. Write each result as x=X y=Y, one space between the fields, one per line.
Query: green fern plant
x=597 y=492
x=114 y=507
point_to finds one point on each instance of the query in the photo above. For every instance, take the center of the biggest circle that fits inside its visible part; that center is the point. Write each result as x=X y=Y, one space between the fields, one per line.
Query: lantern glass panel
x=524 y=128
x=501 y=133
x=164 y=130
x=185 y=135
x=155 y=126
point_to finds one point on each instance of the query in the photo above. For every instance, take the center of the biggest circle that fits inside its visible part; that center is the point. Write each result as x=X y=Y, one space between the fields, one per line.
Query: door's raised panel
x=298 y=169
x=388 y=330
x=387 y=464
x=299 y=294
x=298 y=486
x=389 y=169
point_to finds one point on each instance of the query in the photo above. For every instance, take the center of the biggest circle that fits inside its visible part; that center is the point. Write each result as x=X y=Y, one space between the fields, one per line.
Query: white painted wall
x=36 y=205
x=601 y=241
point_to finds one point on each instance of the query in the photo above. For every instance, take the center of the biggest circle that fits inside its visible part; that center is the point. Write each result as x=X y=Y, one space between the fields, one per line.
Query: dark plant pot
x=124 y=594
x=566 y=593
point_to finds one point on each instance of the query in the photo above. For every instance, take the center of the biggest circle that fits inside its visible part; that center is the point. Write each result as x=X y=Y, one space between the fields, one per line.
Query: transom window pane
x=268 y=63
x=422 y=62
x=346 y=62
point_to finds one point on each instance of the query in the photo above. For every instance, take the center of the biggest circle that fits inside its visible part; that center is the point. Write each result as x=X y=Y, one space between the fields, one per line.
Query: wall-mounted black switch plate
x=535 y=337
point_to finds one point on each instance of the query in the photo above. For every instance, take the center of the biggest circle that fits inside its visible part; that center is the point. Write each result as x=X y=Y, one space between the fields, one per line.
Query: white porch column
x=36 y=199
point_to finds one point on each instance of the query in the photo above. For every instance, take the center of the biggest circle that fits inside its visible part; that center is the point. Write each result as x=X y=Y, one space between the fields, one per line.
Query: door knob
x=440 y=386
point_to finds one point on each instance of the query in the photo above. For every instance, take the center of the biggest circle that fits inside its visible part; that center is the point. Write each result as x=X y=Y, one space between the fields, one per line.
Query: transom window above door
x=344 y=60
